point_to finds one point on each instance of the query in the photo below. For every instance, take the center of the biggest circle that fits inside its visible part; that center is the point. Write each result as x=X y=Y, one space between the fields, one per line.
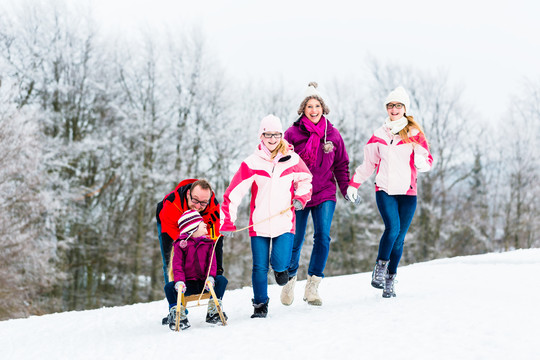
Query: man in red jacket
x=189 y=194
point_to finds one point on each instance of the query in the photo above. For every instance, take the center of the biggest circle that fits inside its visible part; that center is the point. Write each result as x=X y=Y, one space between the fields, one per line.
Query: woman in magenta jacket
x=321 y=147
x=398 y=150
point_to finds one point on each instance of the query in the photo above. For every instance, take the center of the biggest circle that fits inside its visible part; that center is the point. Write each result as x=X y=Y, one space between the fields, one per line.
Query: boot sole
x=314 y=302
x=377 y=285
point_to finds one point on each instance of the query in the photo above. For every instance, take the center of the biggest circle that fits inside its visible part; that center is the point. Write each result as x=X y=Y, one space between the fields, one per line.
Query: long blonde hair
x=412 y=124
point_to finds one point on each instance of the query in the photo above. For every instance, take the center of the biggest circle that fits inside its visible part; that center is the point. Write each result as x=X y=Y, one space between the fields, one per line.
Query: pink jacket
x=394 y=161
x=273 y=187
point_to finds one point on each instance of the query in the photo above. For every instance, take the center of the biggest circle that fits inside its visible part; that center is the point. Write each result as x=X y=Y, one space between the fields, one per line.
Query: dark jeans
x=397 y=212
x=195 y=287
x=163 y=254
x=322 y=215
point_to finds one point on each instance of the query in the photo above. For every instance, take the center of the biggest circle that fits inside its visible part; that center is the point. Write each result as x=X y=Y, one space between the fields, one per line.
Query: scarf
x=396 y=125
x=269 y=153
x=316 y=133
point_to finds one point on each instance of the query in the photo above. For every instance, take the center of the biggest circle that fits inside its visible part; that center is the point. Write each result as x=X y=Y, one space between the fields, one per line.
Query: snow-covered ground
x=474 y=307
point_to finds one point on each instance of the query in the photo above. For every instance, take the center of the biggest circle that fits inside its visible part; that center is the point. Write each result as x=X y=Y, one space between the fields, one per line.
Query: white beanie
x=312 y=91
x=398 y=95
x=270 y=123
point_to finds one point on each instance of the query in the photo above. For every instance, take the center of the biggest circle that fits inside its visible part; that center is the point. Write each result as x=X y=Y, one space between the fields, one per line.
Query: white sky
x=489 y=48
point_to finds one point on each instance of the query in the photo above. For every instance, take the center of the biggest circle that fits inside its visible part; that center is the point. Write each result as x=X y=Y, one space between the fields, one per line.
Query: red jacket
x=173 y=206
x=175 y=203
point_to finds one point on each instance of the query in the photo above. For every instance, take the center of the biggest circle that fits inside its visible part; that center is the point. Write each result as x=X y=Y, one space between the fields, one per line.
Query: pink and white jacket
x=396 y=162
x=273 y=185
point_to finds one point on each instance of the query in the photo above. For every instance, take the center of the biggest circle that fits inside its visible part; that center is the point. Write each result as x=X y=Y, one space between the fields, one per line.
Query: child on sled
x=191 y=257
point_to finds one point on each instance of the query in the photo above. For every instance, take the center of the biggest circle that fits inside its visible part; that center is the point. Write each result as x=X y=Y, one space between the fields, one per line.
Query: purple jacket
x=191 y=262
x=329 y=168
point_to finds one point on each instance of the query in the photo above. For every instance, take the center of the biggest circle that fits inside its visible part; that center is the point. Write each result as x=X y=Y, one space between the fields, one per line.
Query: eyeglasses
x=397 y=106
x=269 y=136
x=198 y=202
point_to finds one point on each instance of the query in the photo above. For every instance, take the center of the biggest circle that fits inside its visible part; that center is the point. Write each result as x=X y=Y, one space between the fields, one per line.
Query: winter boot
x=212 y=315
x=379 y=272
x=311 y=295
x=282 y=277
x=389 y=286
x=287 y=293
x=260 y=310
x=184 y=323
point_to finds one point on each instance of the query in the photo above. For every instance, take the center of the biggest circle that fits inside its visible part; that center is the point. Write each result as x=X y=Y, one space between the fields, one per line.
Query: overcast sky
x=489 y=48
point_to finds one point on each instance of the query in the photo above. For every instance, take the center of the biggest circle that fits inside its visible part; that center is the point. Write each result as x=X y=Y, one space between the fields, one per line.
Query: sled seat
x=195 y=297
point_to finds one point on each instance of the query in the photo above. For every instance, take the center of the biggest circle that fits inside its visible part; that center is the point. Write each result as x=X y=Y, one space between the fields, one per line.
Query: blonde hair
x=282 y=148
x=412 y=124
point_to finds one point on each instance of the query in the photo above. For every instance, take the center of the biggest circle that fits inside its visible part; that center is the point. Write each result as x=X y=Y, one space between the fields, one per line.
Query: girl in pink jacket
x=398 y=150
x=279 y=183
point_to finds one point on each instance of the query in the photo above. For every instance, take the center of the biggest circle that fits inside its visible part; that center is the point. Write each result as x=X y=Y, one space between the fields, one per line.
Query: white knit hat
x=270 y=123
x=398 y=95
x=312 y=90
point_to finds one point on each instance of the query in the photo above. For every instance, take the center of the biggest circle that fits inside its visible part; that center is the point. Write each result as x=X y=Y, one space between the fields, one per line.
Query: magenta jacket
x=192 y=261
x=329 y=168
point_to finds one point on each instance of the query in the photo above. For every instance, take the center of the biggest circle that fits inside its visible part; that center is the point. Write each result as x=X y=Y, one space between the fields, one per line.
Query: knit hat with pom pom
x=189 y=222
x=310 y=93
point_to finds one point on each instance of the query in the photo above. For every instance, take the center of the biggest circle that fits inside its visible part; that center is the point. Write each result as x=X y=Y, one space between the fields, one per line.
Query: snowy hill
x=475 y=307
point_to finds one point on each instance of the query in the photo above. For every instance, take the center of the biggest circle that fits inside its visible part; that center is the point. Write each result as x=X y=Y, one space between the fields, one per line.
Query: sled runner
x=184 y=300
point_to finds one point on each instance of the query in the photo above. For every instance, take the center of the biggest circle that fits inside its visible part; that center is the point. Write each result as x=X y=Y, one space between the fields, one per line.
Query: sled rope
x=215 y=243
x=268 y=218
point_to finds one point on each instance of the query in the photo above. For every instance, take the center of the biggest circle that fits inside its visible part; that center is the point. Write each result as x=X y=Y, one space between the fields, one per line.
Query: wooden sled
x=184 y=300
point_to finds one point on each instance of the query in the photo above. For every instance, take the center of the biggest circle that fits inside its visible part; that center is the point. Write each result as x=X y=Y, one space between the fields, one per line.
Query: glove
x=177 y=285
x=352 y=195
x=226 y=233
x=210 y=280
x=421 y=163
x=297 y=204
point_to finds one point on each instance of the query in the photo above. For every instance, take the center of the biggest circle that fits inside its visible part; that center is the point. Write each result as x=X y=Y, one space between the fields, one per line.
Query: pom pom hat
x=270 y=123
x=189 y=222
x=312 y=92
x=398 y=95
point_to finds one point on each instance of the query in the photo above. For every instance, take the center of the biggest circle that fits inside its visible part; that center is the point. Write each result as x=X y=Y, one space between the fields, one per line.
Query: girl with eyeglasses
x=397 y=151
x=280 y=184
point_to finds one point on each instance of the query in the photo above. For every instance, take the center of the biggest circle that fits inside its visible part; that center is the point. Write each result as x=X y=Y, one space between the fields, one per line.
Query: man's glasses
x=198 y=202
x=269 y=136
x=397 y=106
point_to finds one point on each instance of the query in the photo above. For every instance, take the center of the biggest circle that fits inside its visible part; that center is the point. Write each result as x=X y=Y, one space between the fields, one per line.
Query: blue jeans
x=195 y=287
x=397 y=212
x=279 y=259
x=322 y=215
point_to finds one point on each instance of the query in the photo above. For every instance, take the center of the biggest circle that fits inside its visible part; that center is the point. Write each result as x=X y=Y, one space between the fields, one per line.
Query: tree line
x=94 y=131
